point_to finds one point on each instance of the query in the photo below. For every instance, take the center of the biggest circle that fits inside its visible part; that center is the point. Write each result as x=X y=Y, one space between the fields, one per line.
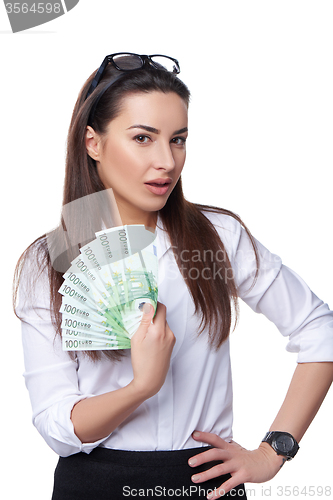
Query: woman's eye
x=179 y=141
x=142 y=139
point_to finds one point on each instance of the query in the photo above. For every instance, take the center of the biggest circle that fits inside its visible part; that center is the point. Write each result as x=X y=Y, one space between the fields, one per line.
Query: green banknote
x=105 y=288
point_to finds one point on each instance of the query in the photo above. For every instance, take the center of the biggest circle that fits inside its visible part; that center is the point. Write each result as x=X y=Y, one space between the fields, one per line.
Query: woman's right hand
x=151 y=348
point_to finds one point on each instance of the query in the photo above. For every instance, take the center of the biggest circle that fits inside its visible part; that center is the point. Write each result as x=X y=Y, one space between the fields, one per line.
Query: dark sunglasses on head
x=126 y=61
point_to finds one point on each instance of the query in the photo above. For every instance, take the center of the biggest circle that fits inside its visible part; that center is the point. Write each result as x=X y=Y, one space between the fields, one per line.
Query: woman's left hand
x=245 y=466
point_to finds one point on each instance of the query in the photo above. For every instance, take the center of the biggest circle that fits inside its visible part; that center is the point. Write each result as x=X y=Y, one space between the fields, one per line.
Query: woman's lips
x=157 y=188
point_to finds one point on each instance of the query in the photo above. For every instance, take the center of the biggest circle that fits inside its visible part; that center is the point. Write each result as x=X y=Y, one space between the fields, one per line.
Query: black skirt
x=106 y=474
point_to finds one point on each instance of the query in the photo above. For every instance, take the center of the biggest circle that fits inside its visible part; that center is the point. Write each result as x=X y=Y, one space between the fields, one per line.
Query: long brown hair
x=188 y=228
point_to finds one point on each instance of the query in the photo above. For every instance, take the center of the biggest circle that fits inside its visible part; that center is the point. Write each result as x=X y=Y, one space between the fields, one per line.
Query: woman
x=157 y=421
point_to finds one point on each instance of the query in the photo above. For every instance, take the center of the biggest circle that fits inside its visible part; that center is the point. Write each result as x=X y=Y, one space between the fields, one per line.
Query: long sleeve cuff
x=56 y=427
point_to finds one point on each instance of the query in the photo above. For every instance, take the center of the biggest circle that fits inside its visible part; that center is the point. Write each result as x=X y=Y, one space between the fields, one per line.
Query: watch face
x=284 y=443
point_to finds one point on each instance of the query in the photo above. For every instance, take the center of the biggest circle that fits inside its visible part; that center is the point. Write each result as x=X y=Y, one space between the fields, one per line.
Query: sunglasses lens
x=166 y=63
x=127 y=62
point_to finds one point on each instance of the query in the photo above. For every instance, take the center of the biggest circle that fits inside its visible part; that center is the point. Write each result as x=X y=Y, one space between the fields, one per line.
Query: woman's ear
x=93 y=142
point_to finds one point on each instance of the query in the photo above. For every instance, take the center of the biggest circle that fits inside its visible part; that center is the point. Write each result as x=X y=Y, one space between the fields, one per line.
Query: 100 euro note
x=103 y=294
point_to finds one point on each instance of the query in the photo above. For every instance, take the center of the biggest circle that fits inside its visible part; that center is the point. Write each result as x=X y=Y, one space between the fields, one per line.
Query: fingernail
x=192 y=461
x=146 y=308
x=196 y=477
x=210 y=495
x=196 y=434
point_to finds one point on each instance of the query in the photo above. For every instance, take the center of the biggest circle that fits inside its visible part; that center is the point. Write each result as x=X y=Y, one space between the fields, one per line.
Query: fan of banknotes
x=106 y=287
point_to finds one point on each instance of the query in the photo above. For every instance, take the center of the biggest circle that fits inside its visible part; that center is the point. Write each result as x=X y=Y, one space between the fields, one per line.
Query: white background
x=260 y=144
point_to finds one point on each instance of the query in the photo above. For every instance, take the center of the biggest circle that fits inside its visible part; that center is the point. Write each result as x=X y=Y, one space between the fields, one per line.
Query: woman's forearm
x=96 y=417
x=306 y=392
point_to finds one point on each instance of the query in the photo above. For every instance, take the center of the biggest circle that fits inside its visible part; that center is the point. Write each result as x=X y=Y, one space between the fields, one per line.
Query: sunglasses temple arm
x=98 y=76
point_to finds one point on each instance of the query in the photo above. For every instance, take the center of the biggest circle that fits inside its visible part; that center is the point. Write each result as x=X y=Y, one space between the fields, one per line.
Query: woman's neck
x=149 y=220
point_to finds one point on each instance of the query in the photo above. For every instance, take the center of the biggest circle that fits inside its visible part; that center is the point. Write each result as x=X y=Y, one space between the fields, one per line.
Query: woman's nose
x=163 y=157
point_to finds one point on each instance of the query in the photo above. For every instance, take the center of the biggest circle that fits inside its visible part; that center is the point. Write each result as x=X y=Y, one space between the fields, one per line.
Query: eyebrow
x=156 y=131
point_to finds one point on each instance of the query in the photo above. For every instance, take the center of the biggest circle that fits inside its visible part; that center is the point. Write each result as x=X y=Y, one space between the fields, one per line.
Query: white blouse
x=197 y=393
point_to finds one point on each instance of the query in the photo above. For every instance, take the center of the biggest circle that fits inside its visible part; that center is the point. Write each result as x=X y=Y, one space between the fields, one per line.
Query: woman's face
x=142 y=154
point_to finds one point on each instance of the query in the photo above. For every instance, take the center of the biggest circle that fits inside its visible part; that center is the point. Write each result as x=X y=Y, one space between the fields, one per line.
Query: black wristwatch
x=283 y=443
